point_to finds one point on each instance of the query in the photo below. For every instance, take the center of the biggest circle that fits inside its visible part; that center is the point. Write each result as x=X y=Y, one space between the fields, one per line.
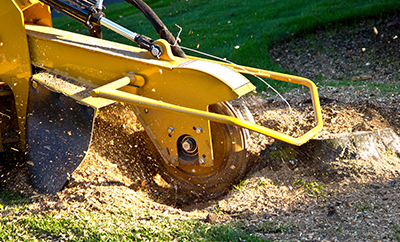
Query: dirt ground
x=351 y=199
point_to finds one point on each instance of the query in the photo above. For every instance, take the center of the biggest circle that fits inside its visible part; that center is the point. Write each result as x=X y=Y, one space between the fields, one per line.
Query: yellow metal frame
x=101 y=62
x=172 y=98
x=290 y=79
x=113 y=94
x=15 y=65
x=35 y=12
x=117 y=95
x=164 y=86
x=41 y=39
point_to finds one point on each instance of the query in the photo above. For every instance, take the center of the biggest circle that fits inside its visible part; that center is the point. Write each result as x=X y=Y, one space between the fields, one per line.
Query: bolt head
x=187 y=145
x=202 y=160
x=199 y=130
x=174 y=161
x=171 y=130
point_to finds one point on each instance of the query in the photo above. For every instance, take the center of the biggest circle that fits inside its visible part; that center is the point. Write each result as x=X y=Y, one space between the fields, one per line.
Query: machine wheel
x=230 y=163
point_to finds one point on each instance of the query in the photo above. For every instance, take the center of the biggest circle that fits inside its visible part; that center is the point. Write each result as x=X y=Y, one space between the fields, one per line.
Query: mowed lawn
x=241 y=31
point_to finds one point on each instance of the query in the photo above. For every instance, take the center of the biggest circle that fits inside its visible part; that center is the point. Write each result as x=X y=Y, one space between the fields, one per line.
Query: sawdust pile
x=296 y=120
x=352 y=200
x=118 y=173
x=120 y=169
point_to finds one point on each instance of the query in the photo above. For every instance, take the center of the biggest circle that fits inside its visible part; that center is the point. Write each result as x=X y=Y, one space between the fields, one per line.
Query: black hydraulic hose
x=160 y=27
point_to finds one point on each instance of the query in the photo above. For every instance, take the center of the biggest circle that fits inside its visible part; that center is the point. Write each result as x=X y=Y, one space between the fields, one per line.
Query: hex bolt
x=199 y=130
x=188 y=145
x=174 y=161
x=202 y=161
x=171 y=130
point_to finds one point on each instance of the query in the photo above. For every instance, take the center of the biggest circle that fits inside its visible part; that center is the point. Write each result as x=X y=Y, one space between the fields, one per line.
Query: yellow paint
x=15 y=65
x=167 y=92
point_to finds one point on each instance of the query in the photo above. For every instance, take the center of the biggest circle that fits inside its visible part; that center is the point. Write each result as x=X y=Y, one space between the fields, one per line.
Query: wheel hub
x=188 y=152
x=189 y=144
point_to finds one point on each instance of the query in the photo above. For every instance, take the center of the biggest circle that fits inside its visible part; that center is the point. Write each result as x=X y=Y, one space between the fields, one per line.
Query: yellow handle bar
x=109 y=91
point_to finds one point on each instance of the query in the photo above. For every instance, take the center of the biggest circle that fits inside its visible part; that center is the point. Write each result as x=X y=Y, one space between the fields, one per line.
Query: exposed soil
x=352 y=199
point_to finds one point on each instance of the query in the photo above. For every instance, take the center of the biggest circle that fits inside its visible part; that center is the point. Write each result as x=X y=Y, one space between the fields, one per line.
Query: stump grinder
x=53 y=82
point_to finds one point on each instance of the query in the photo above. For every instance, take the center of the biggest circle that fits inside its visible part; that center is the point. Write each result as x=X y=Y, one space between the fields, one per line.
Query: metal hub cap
x=189 y=144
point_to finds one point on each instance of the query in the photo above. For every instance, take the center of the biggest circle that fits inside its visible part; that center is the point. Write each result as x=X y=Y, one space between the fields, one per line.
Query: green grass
x=312 y=188
x=18 y=225
x=396 y=233
x=263 y=182
x=378 y=89
x=240 y=186
x=216 y=27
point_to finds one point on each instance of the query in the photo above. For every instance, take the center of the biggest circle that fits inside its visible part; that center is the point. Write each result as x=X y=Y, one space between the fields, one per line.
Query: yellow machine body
x=171 y=95
x=175 y=81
